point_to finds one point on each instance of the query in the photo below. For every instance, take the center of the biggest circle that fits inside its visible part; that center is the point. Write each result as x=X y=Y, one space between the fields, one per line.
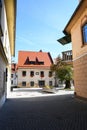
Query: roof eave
x=67 y=31
x=77 y=13
x=65 y=40
x=11 y=22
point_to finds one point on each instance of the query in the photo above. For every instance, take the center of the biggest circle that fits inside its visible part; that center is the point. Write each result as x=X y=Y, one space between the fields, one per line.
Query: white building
x=7 y=44
x=34 y=69
x=13 y=75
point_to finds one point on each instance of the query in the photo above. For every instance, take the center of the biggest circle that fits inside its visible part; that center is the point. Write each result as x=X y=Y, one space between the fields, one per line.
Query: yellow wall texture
x=76 y=35
x=79 y=57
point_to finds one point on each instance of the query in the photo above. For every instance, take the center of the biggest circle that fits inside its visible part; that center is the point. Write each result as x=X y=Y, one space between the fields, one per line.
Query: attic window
x=84 y=33
x=36 y=62
x=27 y=61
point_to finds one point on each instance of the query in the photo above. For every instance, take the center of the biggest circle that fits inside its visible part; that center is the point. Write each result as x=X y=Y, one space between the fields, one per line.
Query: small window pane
x=85 y=33
x=11 y=81
x=32 y=83
x=50 y=73
x=23 y=83
x=32 y=73
x=42 y=73
x=23 y=73
x=11 y=75
x=50 y=83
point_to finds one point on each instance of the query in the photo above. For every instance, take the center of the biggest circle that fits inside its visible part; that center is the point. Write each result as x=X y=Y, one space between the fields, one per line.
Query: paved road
x=36 y=92
x=62 y=112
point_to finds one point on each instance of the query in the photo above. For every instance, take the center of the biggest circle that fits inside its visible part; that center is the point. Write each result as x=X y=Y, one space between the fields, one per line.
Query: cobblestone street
x=59 y=112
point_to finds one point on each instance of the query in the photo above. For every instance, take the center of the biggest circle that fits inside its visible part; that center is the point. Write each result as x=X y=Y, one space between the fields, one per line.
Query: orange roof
x=34 y=59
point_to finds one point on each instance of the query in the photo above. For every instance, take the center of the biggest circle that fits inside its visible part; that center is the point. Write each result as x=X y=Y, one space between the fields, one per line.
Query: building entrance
x=41 y=83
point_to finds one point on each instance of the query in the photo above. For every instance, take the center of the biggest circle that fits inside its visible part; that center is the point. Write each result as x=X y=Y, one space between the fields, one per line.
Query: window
x=50 y=73
x=42 y=73
x=50 y=83
x=11 y=81
x=0 y=3
x=84 y=33
x=11 y=75
x=1 y=33
x=41 y=83
x=31 y=83
x=31 y=73
x=24 y=83
x=37 y=73
x=6 y=74
x=23 y=73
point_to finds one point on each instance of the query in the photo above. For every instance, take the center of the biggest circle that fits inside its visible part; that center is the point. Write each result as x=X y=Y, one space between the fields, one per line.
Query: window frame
x=83 y=37
x=32 y=82
x=12 y=75
x=23 y=82
x=23 y=74
x=1 y=32
x=11 y=82
x=50 y=83
x=31 y=73
x=50 y=73
x=41 y=73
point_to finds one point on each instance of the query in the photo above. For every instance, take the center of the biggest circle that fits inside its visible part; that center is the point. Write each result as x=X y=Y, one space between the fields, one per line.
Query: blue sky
x=40 y=23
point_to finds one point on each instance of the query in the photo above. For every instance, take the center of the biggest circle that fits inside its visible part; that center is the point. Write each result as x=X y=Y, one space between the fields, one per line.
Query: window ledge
x=85 y=44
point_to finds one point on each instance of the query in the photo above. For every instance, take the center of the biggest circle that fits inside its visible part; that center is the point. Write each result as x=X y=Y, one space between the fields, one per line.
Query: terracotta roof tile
x=25 y=57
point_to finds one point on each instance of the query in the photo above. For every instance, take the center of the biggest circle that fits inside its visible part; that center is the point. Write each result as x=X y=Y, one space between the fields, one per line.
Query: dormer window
x=84 y=33
x=35 y=62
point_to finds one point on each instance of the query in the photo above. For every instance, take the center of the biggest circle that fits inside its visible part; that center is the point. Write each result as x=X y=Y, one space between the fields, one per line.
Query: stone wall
x=80 y=76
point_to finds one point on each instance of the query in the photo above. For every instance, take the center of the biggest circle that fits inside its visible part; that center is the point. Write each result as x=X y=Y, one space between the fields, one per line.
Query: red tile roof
x=34 y=59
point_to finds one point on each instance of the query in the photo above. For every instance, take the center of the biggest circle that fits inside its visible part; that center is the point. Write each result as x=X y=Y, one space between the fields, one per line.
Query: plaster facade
x=5 y=51
x=36 y=78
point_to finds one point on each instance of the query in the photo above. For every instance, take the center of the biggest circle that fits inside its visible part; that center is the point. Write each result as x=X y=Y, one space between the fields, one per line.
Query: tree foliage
x=63 y=71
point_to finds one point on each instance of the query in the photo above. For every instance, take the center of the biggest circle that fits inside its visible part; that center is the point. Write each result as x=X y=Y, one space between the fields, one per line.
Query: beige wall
x=79 y=57
x=76 y=34
x=5 y=57
x=80 y=76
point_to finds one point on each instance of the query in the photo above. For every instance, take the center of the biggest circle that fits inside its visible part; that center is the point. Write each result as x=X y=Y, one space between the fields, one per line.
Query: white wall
x=6 y=45
x=35 y=78
x=14 y=79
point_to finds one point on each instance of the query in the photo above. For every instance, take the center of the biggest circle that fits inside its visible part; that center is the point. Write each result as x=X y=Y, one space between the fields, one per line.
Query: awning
x=65 y=40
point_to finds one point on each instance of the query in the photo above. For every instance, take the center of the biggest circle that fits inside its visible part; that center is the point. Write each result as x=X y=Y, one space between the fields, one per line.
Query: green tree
x=63 y=71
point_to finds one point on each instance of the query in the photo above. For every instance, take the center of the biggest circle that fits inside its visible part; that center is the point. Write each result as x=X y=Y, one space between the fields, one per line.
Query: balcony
x=67 y=56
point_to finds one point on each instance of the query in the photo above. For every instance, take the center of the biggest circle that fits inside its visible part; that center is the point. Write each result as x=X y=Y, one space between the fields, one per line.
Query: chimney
x=40 y=51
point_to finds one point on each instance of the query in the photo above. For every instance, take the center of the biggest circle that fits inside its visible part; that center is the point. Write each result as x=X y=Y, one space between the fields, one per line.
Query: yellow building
x=76 y=31
x=7 y=44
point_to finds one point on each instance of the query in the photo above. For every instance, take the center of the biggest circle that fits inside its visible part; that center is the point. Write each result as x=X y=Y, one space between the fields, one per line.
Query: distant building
x=67 y=57
x=34 y=69
x=76 y=31
x=14 y=74
x=7 y=44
